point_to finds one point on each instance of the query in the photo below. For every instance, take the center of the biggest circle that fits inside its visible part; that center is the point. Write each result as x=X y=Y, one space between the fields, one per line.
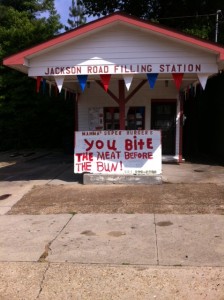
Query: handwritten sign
x=118 y=152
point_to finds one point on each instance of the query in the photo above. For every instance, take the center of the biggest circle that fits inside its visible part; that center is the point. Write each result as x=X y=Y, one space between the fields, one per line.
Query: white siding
x=122 y=45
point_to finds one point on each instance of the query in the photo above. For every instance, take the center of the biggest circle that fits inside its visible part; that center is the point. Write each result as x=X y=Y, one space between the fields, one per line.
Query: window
x=135 y=118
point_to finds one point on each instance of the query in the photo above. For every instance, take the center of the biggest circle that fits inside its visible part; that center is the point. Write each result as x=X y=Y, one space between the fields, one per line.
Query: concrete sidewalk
x=122 y=239
x=60 y=281
x=112 y=257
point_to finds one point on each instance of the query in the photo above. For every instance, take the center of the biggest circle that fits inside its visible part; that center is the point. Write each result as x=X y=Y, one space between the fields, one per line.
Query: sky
x=62 y=7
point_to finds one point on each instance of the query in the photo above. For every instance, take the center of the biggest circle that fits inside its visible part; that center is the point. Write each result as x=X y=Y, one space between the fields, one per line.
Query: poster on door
x=118 y=152
x=96 y=118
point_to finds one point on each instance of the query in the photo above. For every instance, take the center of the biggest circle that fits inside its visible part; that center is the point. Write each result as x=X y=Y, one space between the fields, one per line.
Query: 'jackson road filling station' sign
x=118 y=152
x=124 y=69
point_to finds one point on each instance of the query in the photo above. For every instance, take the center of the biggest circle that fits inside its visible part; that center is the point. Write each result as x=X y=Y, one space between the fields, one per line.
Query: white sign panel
x=95 y=69
x=118 y=152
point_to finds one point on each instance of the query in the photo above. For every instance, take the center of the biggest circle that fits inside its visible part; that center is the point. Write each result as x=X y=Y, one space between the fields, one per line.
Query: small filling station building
x=129 y=77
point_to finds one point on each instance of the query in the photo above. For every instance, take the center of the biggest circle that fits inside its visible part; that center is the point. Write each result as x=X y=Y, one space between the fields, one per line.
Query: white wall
x=95 y=96
x=121 y=45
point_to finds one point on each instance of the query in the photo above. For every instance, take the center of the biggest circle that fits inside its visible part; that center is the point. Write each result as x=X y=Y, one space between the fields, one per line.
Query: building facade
x=127 y=74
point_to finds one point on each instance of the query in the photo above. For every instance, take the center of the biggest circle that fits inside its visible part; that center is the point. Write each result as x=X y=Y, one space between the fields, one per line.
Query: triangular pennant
x=59 y=80
x=152 y=79
x=65 y=94
x=44 y=86
x=203 y=79
x=38 y=84
x=105 y=78
x=49 y=89
x=82 y=81
x=195 y=88
x=56 y=90
x=178 y=77
x=128 y=81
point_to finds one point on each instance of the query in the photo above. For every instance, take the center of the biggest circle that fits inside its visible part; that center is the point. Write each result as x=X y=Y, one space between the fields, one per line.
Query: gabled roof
x=19 y=58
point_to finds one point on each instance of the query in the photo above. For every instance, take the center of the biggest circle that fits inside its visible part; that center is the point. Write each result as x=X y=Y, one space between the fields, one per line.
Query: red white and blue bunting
x=82 y=81
x=128 y=80
x=177 y=77
x=105 y=79
x=190 y=90
x=38 y=82
x=203 y=77
x=59 y=81
x=152 y=77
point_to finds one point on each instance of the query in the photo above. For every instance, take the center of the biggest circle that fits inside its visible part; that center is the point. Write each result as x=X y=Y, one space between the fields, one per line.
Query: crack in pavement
x=42 y=281
x=44 y=255
x=157 y=250
x=47 y=249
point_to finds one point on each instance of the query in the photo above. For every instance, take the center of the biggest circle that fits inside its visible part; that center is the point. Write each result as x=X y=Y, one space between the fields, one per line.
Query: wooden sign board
x=118 y=152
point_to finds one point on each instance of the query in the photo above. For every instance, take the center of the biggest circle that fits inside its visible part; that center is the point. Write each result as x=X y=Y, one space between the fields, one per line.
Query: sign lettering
x=118 y=152
x=124 y=69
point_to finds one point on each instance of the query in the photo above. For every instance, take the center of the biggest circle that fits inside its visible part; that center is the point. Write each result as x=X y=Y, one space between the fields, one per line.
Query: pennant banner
x=128 y=81
x=44 y=86
x=105 y=79
x=152 y=77
x=56 y=90
x=65 y=93
x=38 y=84
x=59 y=80
x=178 y=77
x=49 y=89
x=203 y=79
x=82 y=81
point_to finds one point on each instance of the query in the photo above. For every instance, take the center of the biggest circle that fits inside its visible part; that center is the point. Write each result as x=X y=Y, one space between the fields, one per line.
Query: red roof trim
x=19 y=57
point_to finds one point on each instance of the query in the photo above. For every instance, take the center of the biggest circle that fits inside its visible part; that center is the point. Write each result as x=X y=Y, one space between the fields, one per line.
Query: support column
x=76 y=125
x=122 y=104
x=181 y=128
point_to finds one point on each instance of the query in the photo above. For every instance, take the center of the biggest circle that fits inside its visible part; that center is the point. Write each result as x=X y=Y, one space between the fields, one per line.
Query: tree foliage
x=198 y=17
x=76 y=15
x=28 y=119
x=143 y=8
x=20 y=27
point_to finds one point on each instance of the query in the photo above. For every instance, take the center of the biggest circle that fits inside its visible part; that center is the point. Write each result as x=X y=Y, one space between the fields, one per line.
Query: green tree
x=198 y=17
x=21 y=109
x=143 y=8
x=76 y=14
x=20 y=29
